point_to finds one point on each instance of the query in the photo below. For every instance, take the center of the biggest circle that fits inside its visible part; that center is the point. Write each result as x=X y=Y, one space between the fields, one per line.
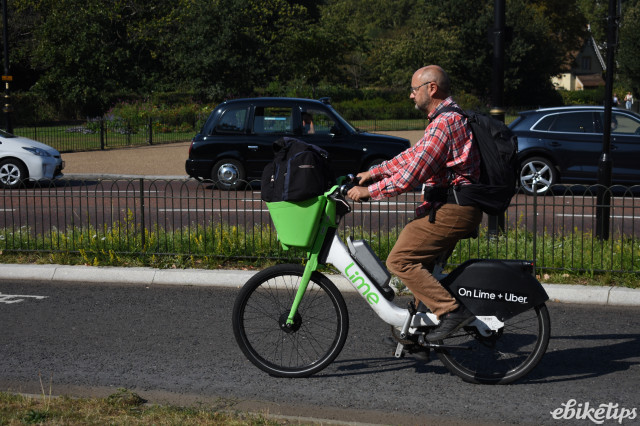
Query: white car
x=23 y=159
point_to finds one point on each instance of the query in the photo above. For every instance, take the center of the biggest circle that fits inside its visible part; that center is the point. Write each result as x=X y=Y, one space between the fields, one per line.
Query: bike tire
x=503 y=358
x=320 y=328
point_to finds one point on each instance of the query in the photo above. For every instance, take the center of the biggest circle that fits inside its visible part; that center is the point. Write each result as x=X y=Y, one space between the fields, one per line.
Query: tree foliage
x=81 y=55
x=628 y=58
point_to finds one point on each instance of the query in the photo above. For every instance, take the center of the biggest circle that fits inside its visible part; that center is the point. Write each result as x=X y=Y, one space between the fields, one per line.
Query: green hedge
x=583 y=97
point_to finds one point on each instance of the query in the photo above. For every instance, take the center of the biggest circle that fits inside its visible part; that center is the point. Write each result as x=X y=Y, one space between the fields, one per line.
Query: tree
x=399 y=36
x=544 y=33
x=628 y=58
x=84 y=52
x=81 y=55
x=230 y=47
x=595 y=13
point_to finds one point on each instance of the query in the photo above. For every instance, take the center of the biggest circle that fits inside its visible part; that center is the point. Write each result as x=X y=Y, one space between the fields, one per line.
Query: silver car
x=23 y=159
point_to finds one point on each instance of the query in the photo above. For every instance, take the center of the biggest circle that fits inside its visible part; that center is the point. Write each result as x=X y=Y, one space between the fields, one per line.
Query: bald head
x=429 y=88
x=436 y=74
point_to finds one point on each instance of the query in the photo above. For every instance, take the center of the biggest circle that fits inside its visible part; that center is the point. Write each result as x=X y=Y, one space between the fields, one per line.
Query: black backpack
x=498 y=164
x=299 y=171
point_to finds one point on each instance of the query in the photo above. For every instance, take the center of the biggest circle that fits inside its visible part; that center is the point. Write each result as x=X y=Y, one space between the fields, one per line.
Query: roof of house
x=591 y=80
x=589 y=42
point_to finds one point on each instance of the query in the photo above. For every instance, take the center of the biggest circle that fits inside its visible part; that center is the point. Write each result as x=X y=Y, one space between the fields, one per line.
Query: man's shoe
x=451 y=322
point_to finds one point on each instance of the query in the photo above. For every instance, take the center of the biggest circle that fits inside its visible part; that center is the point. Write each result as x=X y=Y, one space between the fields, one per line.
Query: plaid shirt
x=444 y=157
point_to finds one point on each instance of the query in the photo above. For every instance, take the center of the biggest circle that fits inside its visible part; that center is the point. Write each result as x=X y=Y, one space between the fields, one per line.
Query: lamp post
x=6 y=77
x=497 y=223
x=603 y=198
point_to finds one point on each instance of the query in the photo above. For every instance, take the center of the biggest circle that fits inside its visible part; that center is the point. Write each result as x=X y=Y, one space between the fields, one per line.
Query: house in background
x=586 y=70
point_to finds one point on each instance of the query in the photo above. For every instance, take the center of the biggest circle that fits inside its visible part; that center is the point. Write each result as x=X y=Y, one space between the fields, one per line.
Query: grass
x=574 y=257
x=122 y=407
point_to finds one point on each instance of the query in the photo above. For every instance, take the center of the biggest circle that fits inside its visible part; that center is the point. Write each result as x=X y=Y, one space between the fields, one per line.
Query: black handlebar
x=349 y=182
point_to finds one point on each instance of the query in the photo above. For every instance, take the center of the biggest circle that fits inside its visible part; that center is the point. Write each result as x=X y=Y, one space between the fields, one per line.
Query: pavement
x=167 y=162
x=564 y=293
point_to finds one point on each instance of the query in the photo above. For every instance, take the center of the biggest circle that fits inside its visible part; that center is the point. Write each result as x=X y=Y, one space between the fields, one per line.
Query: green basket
x=297 y=222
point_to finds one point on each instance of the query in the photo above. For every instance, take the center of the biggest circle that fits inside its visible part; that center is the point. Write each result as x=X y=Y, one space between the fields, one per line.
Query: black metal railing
x=106 y=218
x=104 y=133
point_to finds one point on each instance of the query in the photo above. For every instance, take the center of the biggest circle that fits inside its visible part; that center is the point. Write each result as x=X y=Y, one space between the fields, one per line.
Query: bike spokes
x=287 y=347
x=503 y=356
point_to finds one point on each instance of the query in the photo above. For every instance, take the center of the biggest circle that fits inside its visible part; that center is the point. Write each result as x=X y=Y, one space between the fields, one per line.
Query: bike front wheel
x=503 y=357
x=313 y=341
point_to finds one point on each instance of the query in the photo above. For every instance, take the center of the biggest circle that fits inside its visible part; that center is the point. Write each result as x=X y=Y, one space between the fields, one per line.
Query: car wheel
x=12 y=174
x=228 y=174
x=374 y=163
x=538 y=172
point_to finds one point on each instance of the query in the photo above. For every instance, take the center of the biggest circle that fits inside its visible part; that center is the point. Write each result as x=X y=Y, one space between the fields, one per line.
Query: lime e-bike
x=291 y=320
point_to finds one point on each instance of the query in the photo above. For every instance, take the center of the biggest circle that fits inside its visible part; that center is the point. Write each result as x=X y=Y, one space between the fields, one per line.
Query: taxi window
x=316 y=121
x=232 y=120
x=273 y=120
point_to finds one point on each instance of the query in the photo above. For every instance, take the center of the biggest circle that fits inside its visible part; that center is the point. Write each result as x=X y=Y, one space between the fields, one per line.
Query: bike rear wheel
x=506 y=355
x=317 y=335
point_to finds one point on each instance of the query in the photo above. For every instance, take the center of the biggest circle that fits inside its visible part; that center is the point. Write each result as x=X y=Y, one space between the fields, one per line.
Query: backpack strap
x=465 y=115
x=451 y=109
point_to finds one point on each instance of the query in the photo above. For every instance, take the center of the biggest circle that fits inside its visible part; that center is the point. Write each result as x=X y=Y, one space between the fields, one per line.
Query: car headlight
x=37 y=151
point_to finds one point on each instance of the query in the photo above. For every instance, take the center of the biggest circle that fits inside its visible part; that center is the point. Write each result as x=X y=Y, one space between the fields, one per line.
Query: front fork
x=312 y=263
x=310 y=268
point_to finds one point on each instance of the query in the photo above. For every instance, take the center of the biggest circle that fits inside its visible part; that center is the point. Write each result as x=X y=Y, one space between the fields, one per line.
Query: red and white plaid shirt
x=444 y=157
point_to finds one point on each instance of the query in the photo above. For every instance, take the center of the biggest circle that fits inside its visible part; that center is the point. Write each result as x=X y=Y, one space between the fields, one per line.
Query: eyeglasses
x=415 y=89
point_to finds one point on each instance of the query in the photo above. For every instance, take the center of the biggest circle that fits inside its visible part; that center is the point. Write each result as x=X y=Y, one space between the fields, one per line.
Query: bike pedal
x=422 y=341
x=399 y=351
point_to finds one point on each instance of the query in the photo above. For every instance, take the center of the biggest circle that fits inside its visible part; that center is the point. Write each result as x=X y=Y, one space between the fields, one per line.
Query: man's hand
x=359 y=193
x=364 y=177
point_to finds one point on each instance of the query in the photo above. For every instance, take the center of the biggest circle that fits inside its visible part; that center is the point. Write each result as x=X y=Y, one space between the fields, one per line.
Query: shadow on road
x=585 y=361
x=366 y=366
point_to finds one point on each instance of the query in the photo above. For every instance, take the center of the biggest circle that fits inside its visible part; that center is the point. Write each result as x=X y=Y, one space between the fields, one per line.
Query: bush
x=377 y=108
x=165 y=118
x=582 y=97
x=31 y=108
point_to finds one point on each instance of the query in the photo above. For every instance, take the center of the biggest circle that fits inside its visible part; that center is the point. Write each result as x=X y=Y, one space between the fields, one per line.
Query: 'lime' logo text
x=363 y=287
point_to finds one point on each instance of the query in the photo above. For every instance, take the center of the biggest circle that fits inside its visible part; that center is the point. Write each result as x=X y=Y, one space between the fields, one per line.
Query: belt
x=439 y=197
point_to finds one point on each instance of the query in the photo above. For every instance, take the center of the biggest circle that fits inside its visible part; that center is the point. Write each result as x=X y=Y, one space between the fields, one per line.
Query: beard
x=422 y=108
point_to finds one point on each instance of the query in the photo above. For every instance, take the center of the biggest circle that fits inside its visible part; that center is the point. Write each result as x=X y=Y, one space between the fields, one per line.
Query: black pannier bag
x=299 y=171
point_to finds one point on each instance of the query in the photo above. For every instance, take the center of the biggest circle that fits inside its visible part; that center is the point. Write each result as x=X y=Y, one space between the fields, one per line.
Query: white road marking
x=16 y=298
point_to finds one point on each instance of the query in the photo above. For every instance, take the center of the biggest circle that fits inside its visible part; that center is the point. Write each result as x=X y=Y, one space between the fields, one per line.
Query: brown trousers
x=418 y=246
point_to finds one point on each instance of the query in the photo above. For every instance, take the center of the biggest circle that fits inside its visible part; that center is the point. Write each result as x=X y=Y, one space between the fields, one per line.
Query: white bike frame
x=340 y=257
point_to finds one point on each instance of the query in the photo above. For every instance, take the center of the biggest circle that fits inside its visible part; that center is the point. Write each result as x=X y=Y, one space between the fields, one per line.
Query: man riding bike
x=445 y=157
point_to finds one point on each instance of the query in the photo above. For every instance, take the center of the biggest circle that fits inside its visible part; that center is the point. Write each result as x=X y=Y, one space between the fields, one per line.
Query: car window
x=273 y=120
x=623 y=124
x=232 y=120
x=573 y=122
x=546 y=122
x=316 y=122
